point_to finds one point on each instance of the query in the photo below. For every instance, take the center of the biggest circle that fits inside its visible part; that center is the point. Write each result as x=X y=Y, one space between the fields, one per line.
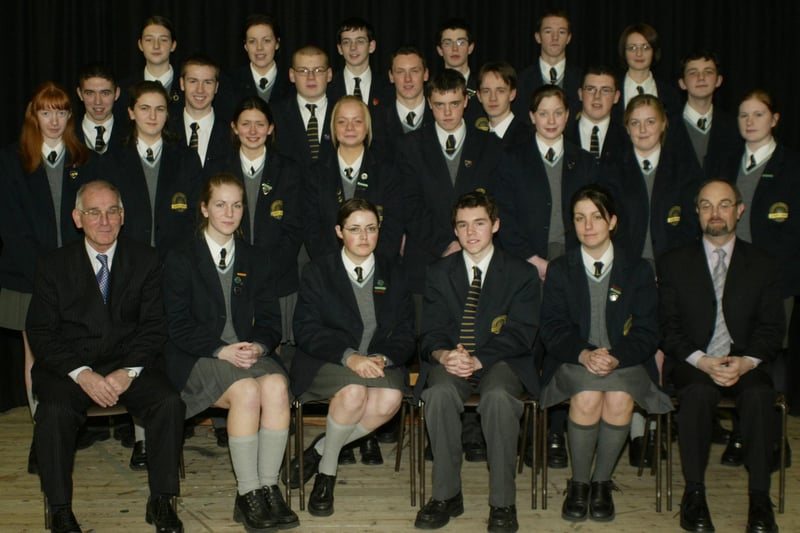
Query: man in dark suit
x=480 y=320
x=722 y=321
x=98 y=90
x=355 y=41
x=497 y=89
x=96 y=324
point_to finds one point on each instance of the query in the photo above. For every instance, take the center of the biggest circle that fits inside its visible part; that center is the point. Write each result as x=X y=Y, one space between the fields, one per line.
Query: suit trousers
x=755 y=406
x=62 y=411
x=500 y=412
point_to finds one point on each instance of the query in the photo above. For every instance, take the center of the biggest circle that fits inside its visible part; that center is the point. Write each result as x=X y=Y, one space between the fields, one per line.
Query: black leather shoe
x=250 y=509
x=601 y=503
x=347 y=456
x=734 y=452
x=760 y=517
x=310 y=464
x=124 y=434
x=222 y=437
x=437 y=513
x=88 y=436
x=139 y=456
x=695 y=515
x=33 y=464
x=503 y=519
x=320 y=503
x=161 y=514
x=371 y=451
x=63 y=521
x=284 y=517
x=387 y=433
x=556 y=451
x=474 y=452
x=719 y=435
x=576 y=504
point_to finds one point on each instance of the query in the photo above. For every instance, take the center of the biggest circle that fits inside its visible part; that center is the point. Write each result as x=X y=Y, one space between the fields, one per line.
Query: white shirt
x=629 y=87
x=654 y=158
x=367 y=267
x=90 y=133
x=483 y=265
x=364 y=85
x=215 y=249
x=502 y=126
x=460 y=133
x=558 y=149
x=585 y=126
x=206 y=124
x=271 y=75
x=355 y=166
x=403 y=111
x=319 y=112
x=607 y=259
x=251 y=167
x=761 y=155
x=141 y=147
x=691 y=116
x=544 y=68
x=58 y=149
x=165 y=79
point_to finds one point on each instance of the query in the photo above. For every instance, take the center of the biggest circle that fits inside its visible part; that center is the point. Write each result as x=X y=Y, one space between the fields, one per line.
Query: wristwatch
x=132 y=373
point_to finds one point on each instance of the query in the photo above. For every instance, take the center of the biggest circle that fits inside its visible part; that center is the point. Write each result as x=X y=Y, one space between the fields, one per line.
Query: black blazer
x=290 y=131
x=28 y=226
x=614 y=145
x=69 y=325
x=241 y=79
x=752 y=302
x=631 y=319
x=379 y=89
x=327 y=320
x=195 y=305
x=778 y=191
x=530 y=79
x=387 y=129
x=724 y=142
x=507 y=320
x=519 y=131
x=219 y=145
x=523 y=196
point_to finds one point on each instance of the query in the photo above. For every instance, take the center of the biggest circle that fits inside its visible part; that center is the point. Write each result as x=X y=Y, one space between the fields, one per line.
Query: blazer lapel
x=208 y=271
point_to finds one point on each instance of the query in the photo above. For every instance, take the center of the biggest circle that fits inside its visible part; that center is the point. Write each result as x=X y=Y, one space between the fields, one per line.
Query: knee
x=617 y=404
x=587 y=403
x=351 y=397
x=386 y=402
x=274 y=389
x=497 y=402
x=244 y=394
x=761 y=395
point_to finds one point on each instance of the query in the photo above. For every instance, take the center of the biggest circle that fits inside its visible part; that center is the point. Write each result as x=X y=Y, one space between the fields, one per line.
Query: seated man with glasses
x=96 y=325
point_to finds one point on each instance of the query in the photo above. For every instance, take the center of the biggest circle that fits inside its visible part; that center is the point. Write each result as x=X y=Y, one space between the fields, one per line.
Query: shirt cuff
x=756 y=361
x=694 y=358
x=137 y=369
x=74 y=373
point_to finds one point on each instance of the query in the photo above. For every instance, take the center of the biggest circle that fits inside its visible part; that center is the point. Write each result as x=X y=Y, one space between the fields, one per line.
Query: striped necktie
x=312 y=132
x=99 y=142
x=450 y=145
x=720 y=343
x=357 y=88
x=553 y=76
x=466 y=333
x=102 y=276
x=193 y=140
x=594 y=142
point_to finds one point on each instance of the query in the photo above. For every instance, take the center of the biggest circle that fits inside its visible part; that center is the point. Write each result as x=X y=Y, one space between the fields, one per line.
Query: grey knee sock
x=271 y=448
x=244 y=458
x=582 y=442
x=610 y=442
x=336 y=436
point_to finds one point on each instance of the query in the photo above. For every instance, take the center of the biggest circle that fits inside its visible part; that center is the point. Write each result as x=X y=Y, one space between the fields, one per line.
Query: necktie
x=719 y=346
x=550 y=155
x=410 y=118
x=466 y=333
x=450 y=145
x=750 y=167
x=598 y=268
x=701 y=123
x=357 y=89
x=348 y=173
x=312 y=132
x=222 y=254
x=553 y=75
x=149 y=156
x=594 y=142
x=99 y=142
x=52 y=156
x=359 y=274
x=646 y=165
x=102 y=276
x=193 y=141
x=262 y=83
x=252 y=171
x=640 y=89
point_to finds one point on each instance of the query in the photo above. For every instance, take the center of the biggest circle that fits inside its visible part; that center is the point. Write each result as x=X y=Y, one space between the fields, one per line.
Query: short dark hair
x=696 y=54
x=354 y=24
x=200 y=60
x=407 y=50
x=259 y=19
x=553 y=12
x=445 y=81
x=601 y=199
x=476 y=198
x=543 y=91
x=97 y=70
x=254 y=102
x=159 y=20
x=351 y=206
x=650 y=35
x=453 y=23
x=599 y=70
x=504 y=70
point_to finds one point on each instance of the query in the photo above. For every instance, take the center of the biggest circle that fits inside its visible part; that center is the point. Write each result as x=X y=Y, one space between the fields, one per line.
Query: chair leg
x=46 y=512
x=287 y=465
x=412 y=454
x=181 y=464
x=781 y=403
x=543 y=441
x=421 y=451
x=658 y=463
x=401 y=434
x=669 y=461
x=523 y=437
x=535 y=443
x=299 y=450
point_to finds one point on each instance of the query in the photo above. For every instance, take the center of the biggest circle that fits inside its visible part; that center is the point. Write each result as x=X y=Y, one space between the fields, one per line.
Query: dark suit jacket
x=195 y=305
x=241 y=79
x=507 y=321
x=778 y=187
x=69 y=325
x=219 y=145
x=379 y=89
x=327 y=320
x=523 y=196
x=752 y=302
x=631 y=319
x=724 y=142
x=530 y=79
x=27 y=215
x=519 y=132
x=430 y=193
x=614 y=145
x=323 y=196
x=290 y=131
x=387 y=129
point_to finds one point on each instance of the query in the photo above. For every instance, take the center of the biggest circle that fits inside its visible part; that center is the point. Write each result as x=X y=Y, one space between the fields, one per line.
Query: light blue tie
x=102 y=276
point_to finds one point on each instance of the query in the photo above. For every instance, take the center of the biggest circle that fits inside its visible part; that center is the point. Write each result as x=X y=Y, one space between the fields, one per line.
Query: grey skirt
x=14 y=309
x=211 y=377
x=570 y=379
x=331 y=378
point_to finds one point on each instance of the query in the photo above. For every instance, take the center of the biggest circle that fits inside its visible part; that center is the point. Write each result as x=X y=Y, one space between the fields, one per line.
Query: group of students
x=393 y=192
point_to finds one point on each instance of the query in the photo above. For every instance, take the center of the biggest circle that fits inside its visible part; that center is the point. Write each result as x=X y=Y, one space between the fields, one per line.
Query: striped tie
x=466 y=333
x=450 y=145
x=102 y=275
x=312 y=132
x=594 y=142
x=357 y=88
x=193 y=140
x=720 y=343
x=553 y=76
x=99 y=142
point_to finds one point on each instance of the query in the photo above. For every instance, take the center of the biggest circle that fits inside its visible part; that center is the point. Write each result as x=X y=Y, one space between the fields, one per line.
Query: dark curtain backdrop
x=51 y=39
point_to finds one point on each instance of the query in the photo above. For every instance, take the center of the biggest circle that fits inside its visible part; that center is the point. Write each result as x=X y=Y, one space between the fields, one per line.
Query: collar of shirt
x=319 y=112
x=459 y=134
x=483 y=265
x=501 y=129
x=256 y=163
x=59 y=149
x=629 y=87
x=92 y=253
x=367 y=267
x=544 y=68
x=364 y=84
x=165 y=79
x=761 y=155
x=90 y=133
x=585 y=126
x=214 y=248
x=654 y=158
x=403 y=111
x=141 y=147
x=558 y=148
x=607 y=259
x=691 y=116
x=356 y=166
x=206 y=124
x=711 y=257
x=271 y=75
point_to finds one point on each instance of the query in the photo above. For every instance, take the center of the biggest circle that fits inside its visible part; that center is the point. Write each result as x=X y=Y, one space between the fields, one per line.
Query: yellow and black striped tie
x=312 y=132
x=194 y=140
x=594 y=142
x=466 y=334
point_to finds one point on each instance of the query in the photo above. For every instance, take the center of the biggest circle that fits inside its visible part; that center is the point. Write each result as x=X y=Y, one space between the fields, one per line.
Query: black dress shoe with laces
x=161 y=514
x=734 y=451
x=139 y=456
x=347 y=456
x=437 y=513
x=576 y=504
x=63 y=521
x=503 y=519
x=320 y=503
x=311 y=459
x=251 y=510
x=695 y=515
x=276 y=506
x=556 y=451
x=760 y=517
x=371 y=451
x=601 y=503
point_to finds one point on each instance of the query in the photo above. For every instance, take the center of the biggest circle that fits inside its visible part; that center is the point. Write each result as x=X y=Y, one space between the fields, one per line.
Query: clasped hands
x=365 y=366
x=725 y=371
x=241 y=354
x=104 y=390
x=459 y=362
x=598 y=361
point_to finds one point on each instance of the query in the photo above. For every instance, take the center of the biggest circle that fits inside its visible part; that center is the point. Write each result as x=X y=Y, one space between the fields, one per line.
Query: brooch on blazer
x=362 y=180
x=380 y=213
x=627 y=327
x=614 y=293
x=480 y=190
x=498 y=323
x=380 y=287
x=778 y=212
x=467 y=163
x=326 y=136
x=179 y=202
x=276 y=209
x=73 y=173
x=570 y=164
x=238 y=282
x=375 y=102
x=339 y=196
x=674 y=215
x=266 y=188
x=767 y=176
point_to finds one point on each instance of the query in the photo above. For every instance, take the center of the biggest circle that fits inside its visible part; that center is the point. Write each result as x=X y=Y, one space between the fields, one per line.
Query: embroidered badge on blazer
x=498 y=323
x=674 y=215
x=276 y=209
x=628 y=324
x=179 y=202
x=778 y=212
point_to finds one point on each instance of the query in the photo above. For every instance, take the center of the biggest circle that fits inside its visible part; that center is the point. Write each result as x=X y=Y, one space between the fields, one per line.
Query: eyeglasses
x=723 y=207
x=637 y=47
x=305 y=71
x=358 y=230
x=94 y=214
x=604 y=91
x=450 y=43
x=358 y=41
